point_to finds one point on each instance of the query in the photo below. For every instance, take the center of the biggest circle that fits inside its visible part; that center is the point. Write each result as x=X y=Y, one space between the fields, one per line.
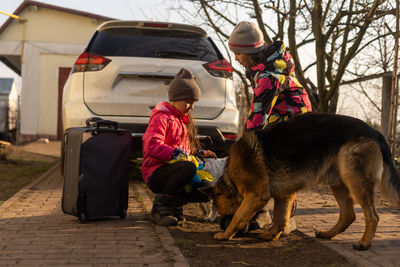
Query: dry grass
x=20 y=168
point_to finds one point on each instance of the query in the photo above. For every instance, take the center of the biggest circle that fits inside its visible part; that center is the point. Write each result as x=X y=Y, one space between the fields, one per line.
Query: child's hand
x=209 y=153
x=178 y=154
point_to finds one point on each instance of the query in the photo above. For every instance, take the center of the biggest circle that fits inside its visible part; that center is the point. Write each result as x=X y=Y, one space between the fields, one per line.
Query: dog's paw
x=219 y=236
x=359 y=246
x=321 y=234
x=269 y=236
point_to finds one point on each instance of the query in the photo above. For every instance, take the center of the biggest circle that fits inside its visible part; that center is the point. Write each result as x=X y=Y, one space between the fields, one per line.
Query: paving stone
x=385 y=247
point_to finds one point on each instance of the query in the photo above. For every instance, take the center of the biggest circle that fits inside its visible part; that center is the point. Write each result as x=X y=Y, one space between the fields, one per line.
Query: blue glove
x=178 y=153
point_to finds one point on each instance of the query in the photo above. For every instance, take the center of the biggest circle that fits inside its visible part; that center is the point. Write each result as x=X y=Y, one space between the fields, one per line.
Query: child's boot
x=178 y=208
x=163 y=209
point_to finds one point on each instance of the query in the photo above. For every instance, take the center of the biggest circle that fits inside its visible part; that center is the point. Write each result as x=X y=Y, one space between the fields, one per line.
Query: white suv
x=125 y=71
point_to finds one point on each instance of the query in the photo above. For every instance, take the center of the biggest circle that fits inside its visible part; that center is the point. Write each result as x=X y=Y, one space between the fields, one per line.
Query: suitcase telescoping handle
x=107 y=123
x=99 y=122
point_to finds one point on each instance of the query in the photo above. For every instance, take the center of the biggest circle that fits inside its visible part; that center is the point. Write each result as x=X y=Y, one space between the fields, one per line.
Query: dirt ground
x=195 y=240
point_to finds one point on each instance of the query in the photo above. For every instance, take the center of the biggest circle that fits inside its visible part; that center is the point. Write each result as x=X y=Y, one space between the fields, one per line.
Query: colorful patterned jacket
x=274 y=76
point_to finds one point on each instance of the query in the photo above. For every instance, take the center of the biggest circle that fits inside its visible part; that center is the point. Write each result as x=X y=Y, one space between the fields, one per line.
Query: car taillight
x=230 y=136
x=90 y=62
x=220 y=68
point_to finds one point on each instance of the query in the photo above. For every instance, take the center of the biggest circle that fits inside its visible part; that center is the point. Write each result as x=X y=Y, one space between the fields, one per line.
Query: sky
x=118 y=9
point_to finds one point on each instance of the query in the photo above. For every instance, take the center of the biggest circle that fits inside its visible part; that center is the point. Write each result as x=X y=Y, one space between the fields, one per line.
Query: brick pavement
x=35 y=232
x=321 y=212
x=51 y=149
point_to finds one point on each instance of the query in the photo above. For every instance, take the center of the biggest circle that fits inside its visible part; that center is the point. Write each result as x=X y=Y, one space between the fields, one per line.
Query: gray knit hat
x=246 y=38
x=183 y=87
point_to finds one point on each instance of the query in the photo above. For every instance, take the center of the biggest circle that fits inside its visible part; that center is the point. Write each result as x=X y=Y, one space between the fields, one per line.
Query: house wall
x=3 y=112
x=51 y=25
x=37 y=82
x=52 y=39
x=48 y=95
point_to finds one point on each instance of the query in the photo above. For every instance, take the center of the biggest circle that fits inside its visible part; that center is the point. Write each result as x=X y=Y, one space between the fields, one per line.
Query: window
x=136 y=42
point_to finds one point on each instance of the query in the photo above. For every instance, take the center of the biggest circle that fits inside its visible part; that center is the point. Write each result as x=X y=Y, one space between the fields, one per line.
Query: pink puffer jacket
x=166 y=131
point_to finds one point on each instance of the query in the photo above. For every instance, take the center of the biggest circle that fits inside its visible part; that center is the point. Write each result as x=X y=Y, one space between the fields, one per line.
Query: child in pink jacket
x=171 y=134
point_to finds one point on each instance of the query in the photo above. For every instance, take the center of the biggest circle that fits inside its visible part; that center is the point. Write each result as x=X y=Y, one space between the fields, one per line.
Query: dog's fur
x=342 y=152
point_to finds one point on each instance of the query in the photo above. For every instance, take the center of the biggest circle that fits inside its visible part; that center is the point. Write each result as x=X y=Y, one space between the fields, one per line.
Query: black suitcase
x=95 y=166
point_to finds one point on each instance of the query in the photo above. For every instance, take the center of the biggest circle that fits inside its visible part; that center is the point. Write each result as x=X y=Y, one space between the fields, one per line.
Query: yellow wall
x=48 y=25
x=48 y=95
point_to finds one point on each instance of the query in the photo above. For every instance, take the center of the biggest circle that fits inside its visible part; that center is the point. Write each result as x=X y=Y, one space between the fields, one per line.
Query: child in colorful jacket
x=170 y=134
x=278 y=95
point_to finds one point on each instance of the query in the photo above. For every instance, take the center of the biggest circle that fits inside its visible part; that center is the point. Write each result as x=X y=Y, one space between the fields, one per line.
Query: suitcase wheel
x=83 y=218
x=122 y=214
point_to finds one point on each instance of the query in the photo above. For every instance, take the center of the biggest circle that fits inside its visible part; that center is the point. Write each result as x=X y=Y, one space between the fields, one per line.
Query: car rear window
x=136 y=42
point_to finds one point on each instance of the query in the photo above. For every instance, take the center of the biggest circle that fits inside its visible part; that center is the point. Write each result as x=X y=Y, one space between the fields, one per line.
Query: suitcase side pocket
x=62 y=156
x=70 y=171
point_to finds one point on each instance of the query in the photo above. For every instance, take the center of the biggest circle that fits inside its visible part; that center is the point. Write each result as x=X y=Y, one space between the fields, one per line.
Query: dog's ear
x=208 y=191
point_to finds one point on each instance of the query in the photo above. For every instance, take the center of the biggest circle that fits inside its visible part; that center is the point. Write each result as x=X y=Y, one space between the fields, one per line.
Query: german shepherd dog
x=276 y=162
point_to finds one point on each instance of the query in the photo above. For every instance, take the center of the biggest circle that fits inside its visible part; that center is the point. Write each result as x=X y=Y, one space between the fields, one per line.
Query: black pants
x=171 y=178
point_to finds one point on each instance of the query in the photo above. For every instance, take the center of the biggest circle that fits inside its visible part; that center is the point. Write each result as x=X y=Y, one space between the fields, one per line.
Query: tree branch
x=319 y=51
x=342 y=67
x=217 y=12
x=215 y=27
x=258 y=13
x=294 y=52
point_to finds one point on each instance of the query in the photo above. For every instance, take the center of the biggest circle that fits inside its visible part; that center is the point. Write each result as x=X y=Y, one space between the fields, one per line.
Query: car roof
x=150 y=24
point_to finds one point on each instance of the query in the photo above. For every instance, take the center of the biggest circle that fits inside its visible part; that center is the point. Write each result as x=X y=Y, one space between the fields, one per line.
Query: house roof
x=63 y=9
x=5 y=85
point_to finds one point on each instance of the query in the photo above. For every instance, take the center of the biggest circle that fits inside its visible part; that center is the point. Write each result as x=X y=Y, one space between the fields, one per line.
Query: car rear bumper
x=210 y=138
x=210 y=132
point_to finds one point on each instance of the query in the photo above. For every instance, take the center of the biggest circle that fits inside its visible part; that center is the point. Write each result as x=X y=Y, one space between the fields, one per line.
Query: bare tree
x=339 y=31
x=395 y=85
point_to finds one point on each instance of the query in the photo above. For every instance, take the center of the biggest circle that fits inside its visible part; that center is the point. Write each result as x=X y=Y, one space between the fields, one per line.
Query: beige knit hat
x=183 y=87
x=246 y=38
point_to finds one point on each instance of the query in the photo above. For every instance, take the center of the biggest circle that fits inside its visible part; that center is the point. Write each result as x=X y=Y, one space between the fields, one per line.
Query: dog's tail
x=390 y=183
